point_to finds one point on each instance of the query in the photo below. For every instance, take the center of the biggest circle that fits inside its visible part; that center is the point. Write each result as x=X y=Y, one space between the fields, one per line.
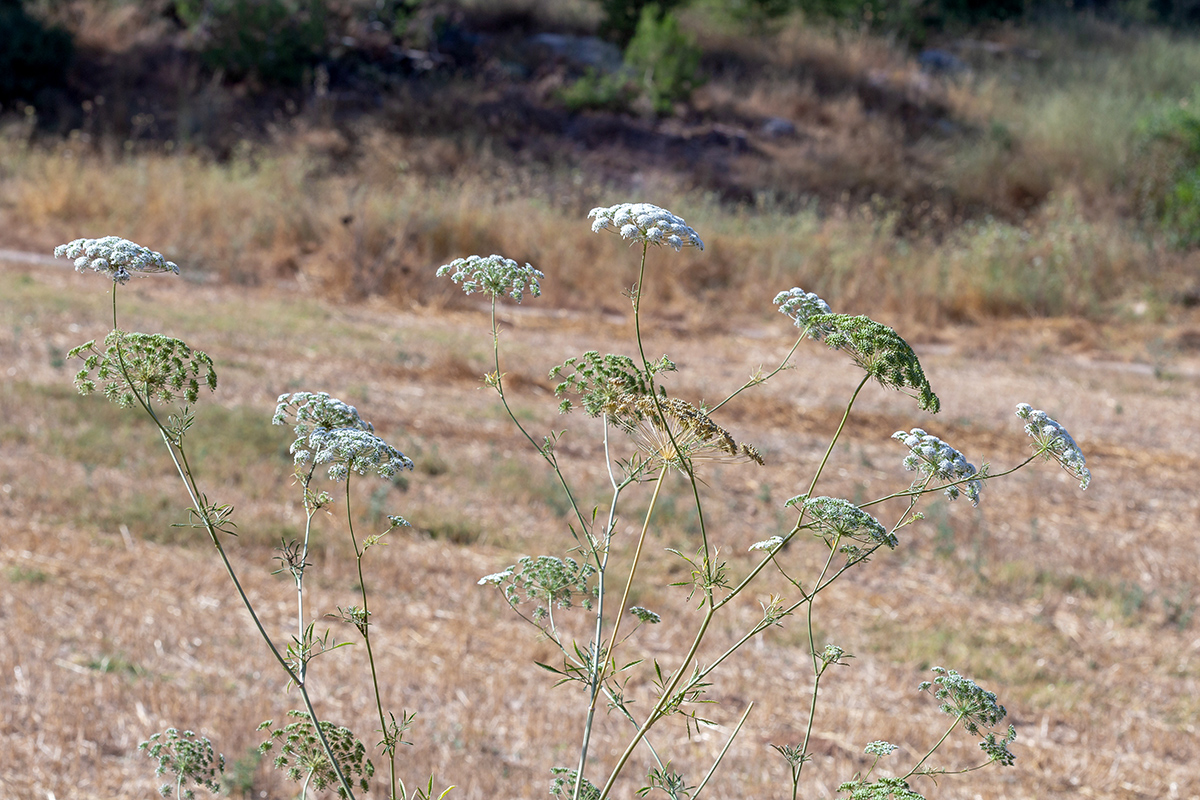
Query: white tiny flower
x=767 y=545
x=494 y=275
x=643 y=222
x=880 y=748
x=1052 y=440
x=933 y=457
x=496 y=578
x=645 y=615
x=802 y=306
x=114 y=257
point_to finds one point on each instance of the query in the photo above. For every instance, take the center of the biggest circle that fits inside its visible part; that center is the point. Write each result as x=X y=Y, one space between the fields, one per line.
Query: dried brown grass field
x=1076 y=608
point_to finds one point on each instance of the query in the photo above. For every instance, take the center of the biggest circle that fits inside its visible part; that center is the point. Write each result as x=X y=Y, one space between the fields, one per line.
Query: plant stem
x=637 y=554
x=541 y=451
x=724 y=750
x=389 y=747
x=813 y=485
x=596 y=677
x=933 y=749
x=662 y=700
x=179 y=457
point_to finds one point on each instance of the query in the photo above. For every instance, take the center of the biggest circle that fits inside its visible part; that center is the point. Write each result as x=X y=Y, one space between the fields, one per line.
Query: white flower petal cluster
x=494 y=275
x=115 y=257
x=931 y=456
x=880 y=748
x=350 y=449
x=329 y=431
x=1052 y=440
x=802 y=306
x=837 y=519
x=767 y=545
x=643 y=222
x=496 y=578
x=312 y=410
x=645 y=615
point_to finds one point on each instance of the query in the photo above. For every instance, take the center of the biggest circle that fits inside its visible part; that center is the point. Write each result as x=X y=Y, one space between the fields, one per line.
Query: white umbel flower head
x=494 y=275
x=767 y=545
x=1052 y=440
x=802 y=306
x=348 y=450
x=643 y=222
x=115 y=257
x=929 y=455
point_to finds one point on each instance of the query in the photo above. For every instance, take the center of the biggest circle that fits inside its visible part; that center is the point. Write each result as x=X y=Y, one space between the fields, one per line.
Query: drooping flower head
x=879 y=351
x=115 y=257
x=930 y=456
x=1052 y=440
x=643 y=222
x=494 y=275
x=309 y=411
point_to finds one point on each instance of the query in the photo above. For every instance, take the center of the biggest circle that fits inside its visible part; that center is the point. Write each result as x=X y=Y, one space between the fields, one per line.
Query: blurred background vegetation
x=956 y=160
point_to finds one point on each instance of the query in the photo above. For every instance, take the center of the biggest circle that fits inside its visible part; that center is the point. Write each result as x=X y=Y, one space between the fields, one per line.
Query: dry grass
x=1076 y=608
x=282 y=217
x=1015 y=190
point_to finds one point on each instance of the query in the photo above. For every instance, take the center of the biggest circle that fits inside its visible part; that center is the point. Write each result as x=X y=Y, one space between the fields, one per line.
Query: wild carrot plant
x=650 y=437
x=147 y=371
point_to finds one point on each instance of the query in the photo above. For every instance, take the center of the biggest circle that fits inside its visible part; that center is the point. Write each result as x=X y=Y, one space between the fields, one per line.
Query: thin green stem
x=653 y=717
x=933 y=749
x=757 y=379
x=389 y=746
x=925 y=490
x=813 y=485
x=637 y=554
x=499 y=385
x=724 y=750
x=685 y=463
x=816 y=661
x=596 y=677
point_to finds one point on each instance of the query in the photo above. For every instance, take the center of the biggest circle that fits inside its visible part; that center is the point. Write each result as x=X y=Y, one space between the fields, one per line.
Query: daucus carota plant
x=146 y=371
x=650 y=436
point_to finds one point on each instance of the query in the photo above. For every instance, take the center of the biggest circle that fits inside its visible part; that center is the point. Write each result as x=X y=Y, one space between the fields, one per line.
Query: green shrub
x=622 y=17
x=664 y=58
x=32 y=56
x=274 y=41
x=1171 y=186
x=599 y=91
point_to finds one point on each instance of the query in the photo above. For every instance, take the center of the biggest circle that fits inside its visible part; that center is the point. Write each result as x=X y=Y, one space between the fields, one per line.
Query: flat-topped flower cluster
x=643 y=222
x=114 y=257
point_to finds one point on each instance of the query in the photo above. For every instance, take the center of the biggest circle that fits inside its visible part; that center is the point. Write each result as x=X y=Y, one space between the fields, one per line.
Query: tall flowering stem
x=158 y=378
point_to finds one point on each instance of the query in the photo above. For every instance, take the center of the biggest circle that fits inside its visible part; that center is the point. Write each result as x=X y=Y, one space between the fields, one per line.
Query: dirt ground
x=1076 y=608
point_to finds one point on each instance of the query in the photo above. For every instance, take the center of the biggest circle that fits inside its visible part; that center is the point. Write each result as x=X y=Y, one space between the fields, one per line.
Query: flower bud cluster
x=1052 y=440
x=115 y=257
x=931 y=456
x=643 y=222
